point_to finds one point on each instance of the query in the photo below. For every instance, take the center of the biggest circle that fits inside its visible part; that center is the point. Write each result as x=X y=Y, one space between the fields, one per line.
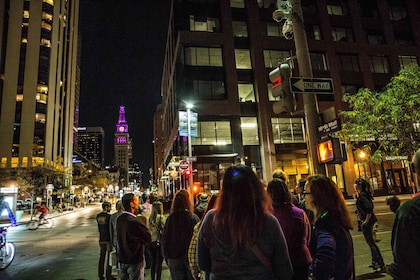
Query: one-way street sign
x=318 y=85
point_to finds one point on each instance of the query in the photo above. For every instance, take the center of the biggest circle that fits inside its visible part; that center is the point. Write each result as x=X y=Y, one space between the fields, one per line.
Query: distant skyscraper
x=39 y=83
x=122 y=146
x=91 y=144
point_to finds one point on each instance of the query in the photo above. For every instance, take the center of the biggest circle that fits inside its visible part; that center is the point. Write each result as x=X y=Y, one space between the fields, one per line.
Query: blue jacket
x=332 y=251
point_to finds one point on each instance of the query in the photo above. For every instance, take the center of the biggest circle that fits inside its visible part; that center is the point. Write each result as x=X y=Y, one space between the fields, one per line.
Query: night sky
x=123 y=45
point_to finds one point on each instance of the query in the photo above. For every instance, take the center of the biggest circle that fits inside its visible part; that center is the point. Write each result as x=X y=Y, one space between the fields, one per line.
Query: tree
x=387 y=121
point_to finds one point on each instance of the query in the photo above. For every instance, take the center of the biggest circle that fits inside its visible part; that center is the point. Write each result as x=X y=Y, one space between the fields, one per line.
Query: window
x=243 y=59
x=337 y=8
x=407 y=60
x=319 y=62
x=379 y=64
x=403 y=39
x=349 y=89
x=203 y=56
x=309 y=7
x=237 y=4
x=272 y=57
x=246 y=93
x=343 y=34
x=204 y=24
x=397 y=12
x=369 y=9
x=288 y=130
x=249 y=128
x=213 y=133
x=348 y=62
x=239 y=29
x=313 y=32
x=209 y=90
x=273 y=29
x=375 y=37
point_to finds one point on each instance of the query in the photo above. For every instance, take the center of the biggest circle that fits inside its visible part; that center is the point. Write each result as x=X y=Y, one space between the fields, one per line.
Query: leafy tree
x=388 y=121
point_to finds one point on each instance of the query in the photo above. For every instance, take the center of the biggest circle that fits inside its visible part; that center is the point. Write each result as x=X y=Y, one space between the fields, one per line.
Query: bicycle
x=7 y=249
x=37 y=223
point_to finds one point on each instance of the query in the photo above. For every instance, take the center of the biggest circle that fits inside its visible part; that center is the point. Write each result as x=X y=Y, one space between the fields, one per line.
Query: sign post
x=317 y=85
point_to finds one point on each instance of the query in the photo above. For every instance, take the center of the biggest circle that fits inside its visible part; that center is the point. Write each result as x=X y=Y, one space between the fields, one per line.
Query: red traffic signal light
x=187 y=173
x=280 y=78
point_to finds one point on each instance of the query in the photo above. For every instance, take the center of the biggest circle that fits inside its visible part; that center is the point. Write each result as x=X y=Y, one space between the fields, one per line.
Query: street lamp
x=190 y=179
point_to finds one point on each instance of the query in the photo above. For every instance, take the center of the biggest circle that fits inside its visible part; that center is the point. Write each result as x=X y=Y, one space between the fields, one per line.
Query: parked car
x=20 y=204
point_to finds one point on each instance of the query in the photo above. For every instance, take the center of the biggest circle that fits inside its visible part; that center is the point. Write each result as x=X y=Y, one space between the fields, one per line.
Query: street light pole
x=190 y=179
x=309 y=100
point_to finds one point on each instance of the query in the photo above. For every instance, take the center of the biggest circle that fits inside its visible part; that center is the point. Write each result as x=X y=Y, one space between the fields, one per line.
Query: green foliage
x=386 y=120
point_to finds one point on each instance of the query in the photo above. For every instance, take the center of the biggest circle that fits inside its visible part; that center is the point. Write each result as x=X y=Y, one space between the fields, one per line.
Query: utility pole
x=309 y=100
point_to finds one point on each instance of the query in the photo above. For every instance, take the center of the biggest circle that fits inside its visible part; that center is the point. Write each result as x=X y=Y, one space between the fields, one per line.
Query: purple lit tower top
x=122 y=126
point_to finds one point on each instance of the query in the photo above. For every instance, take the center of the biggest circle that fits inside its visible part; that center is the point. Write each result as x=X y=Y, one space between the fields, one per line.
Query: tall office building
x=218 y=57
x=39 y=83
x=91 y=144
x=122 y=147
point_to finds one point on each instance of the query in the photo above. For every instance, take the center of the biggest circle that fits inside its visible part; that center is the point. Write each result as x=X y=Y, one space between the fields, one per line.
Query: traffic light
x=280 y=78
x=187 y=173
x=330 y=150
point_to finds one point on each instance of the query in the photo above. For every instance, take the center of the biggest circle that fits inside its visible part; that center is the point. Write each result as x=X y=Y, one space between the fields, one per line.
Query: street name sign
x=317 y=85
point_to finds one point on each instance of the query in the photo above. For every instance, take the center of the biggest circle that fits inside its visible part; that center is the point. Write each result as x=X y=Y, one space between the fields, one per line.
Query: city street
x=70 y=249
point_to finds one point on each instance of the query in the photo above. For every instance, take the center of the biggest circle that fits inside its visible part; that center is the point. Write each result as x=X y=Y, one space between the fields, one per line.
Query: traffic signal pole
x=309 y=100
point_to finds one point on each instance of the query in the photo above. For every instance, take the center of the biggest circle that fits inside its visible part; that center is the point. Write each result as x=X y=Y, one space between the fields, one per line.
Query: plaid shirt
x=192 y=254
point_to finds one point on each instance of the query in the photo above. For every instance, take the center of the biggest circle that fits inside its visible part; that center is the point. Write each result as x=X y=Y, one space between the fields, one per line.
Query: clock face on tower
x=121 y=129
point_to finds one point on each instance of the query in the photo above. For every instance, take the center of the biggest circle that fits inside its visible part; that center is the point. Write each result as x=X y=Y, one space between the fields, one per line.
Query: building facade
x=91 y=144
x=218 y=57
x=39 y=84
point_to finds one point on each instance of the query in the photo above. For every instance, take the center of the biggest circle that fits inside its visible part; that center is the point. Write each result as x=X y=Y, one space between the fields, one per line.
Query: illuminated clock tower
x=122 y=147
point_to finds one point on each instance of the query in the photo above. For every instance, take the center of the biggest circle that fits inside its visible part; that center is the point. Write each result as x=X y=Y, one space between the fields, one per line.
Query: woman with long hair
x=368 y=219
x=295 y=225
x=177 y=235
x=156 y=224
x=331 y=245
x=239 y=238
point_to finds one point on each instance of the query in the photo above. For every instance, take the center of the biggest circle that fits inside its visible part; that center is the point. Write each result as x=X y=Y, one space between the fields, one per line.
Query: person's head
x=279 y=193
x=211 y=203
x=280 y=174
x=130 y=202
x=323 y=196
x=182 y=201
x=157 y=209
x=393 y=202
x=241 y=207
x=106 y=206
x=119 y=206
x=361 y=185
x=203 y=197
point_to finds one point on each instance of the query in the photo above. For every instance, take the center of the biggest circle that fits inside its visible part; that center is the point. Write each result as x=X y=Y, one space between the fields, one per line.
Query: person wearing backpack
x=156 y=223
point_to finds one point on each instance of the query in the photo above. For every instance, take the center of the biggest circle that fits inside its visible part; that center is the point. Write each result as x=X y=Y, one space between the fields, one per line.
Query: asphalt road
x=70 y=251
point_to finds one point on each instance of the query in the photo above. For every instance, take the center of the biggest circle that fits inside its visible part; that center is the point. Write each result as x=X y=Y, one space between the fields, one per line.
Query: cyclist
x=4 y=205
x=43 y=210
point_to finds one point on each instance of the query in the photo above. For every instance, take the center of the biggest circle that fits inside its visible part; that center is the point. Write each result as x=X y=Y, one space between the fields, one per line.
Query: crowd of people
x=250 y=230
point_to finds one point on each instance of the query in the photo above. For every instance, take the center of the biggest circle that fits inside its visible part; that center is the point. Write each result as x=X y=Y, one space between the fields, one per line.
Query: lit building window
x=407 y=60
x=246 y=93
x=240 y=29
x=197 y=56
x=379 y=64
x=249 y=128
x=243 y=59
x=288 y=130
x=213 y=133
x=273 y=57
x=198 y=23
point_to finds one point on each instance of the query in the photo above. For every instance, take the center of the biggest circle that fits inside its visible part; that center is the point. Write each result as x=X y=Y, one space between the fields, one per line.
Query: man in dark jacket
x=104 y=241
x=405 y=240
x=132 y=236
